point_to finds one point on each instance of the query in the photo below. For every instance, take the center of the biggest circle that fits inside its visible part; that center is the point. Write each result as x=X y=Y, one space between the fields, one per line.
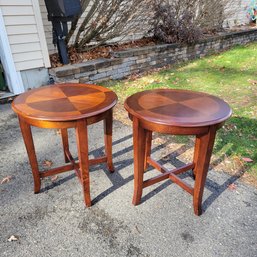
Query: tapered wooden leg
x=196 y=154
x=108 y=140
x=82 y=144
x=206 y=143
x=29 y=144
x=65 y=143
x=139 y=141
x=147 y=148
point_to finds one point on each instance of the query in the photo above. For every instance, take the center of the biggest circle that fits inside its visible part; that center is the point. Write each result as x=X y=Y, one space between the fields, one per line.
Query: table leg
x=196 y=154
x=147 y=148
x=108 y=140
x=139 y=141
x=29 y=144
x=82 y=144
x=65 y=143
x=205 y=147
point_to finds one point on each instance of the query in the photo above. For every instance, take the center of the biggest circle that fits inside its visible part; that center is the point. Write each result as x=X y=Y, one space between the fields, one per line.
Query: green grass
x=232 y=76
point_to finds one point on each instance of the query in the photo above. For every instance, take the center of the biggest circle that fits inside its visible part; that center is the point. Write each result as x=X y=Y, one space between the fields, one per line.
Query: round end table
x=177 y=112
x=64 y=106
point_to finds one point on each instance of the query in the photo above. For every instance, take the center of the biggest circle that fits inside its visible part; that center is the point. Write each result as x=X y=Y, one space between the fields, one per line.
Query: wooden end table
x=177 y=112
x=64 y=106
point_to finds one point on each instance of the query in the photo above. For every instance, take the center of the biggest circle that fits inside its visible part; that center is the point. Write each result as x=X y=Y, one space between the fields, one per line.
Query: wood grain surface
x=182 y=108
x=64 y=102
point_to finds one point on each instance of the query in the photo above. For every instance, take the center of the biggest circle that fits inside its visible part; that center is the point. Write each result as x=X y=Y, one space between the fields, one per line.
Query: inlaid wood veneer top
x=182 y=108
x=64 y=102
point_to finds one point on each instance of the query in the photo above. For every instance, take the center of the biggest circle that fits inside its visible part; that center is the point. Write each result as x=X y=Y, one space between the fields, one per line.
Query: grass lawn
x=232 y=76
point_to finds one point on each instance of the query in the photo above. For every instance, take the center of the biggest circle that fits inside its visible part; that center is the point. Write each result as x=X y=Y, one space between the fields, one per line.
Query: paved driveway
x=56 y=223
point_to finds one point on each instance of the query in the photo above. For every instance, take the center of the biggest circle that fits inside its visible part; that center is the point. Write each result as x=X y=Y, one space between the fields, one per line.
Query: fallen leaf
x=6 y=180
x=137 y=229
x=47 y=163
x=246 y=159
x=159 y=141
x=54 y=178
x=165 y=158
x=232 y=187
x=12 y=238
x=253 y=82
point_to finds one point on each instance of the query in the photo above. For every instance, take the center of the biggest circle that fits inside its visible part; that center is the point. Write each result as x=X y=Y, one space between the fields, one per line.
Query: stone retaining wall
x=131 y=61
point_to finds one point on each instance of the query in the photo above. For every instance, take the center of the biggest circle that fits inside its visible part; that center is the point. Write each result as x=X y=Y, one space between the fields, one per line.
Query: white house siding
x=25 y=33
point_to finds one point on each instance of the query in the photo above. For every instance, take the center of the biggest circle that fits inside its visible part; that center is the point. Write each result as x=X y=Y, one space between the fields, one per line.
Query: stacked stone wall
x=131 y=61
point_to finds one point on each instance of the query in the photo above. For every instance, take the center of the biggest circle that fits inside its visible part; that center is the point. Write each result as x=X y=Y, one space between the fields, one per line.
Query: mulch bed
x=100 y=52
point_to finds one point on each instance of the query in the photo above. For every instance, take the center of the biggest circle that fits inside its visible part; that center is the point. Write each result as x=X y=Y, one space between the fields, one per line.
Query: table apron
x=64 y=124
x=167 y=129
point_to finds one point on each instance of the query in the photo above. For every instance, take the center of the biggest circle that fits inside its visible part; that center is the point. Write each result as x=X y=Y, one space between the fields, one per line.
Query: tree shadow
x=118 y=180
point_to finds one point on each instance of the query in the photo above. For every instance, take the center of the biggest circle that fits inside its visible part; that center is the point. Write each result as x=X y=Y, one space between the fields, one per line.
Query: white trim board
x=13 y=77
x=41 y=33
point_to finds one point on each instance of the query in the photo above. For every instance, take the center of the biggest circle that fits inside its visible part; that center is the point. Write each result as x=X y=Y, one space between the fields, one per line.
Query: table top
x=64 y=102
x=181 y=108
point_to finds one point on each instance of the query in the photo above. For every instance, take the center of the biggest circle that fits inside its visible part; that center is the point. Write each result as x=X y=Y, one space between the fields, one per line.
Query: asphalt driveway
x=56 y=223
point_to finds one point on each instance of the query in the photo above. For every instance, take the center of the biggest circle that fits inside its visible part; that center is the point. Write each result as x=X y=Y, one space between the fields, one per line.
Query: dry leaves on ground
x=253 y=82
x=54 y=178
x=13 y=238
x=247 y=159
x=232 y=187
x=58 y=132
x=47 y=163
x=159 y=141
x=6 y=179
x=99 y=52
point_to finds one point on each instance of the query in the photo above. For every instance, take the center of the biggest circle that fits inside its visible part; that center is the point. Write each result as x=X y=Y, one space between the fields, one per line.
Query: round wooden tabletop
x=64 y=102
x=181 y=108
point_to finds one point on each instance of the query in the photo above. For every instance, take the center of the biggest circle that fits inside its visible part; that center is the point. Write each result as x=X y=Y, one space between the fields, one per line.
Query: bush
x=170 y=26
x=104 y=20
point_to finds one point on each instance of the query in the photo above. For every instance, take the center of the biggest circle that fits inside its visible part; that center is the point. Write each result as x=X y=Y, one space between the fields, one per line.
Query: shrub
x=104 y=20
x=187 y=20
x=174 y=27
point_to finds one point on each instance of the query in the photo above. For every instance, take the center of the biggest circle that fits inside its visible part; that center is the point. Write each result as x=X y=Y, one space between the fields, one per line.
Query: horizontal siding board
x=42 y=6
x=15 y=2
x=23 y=25
x=48 y=34
x=19 y=20
x=28 y=56
x=21 y=10
x=29 y=64
x=19 y=29
x=24 y=48
x=22 y=39
x=41 y=2
x=49 y=41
